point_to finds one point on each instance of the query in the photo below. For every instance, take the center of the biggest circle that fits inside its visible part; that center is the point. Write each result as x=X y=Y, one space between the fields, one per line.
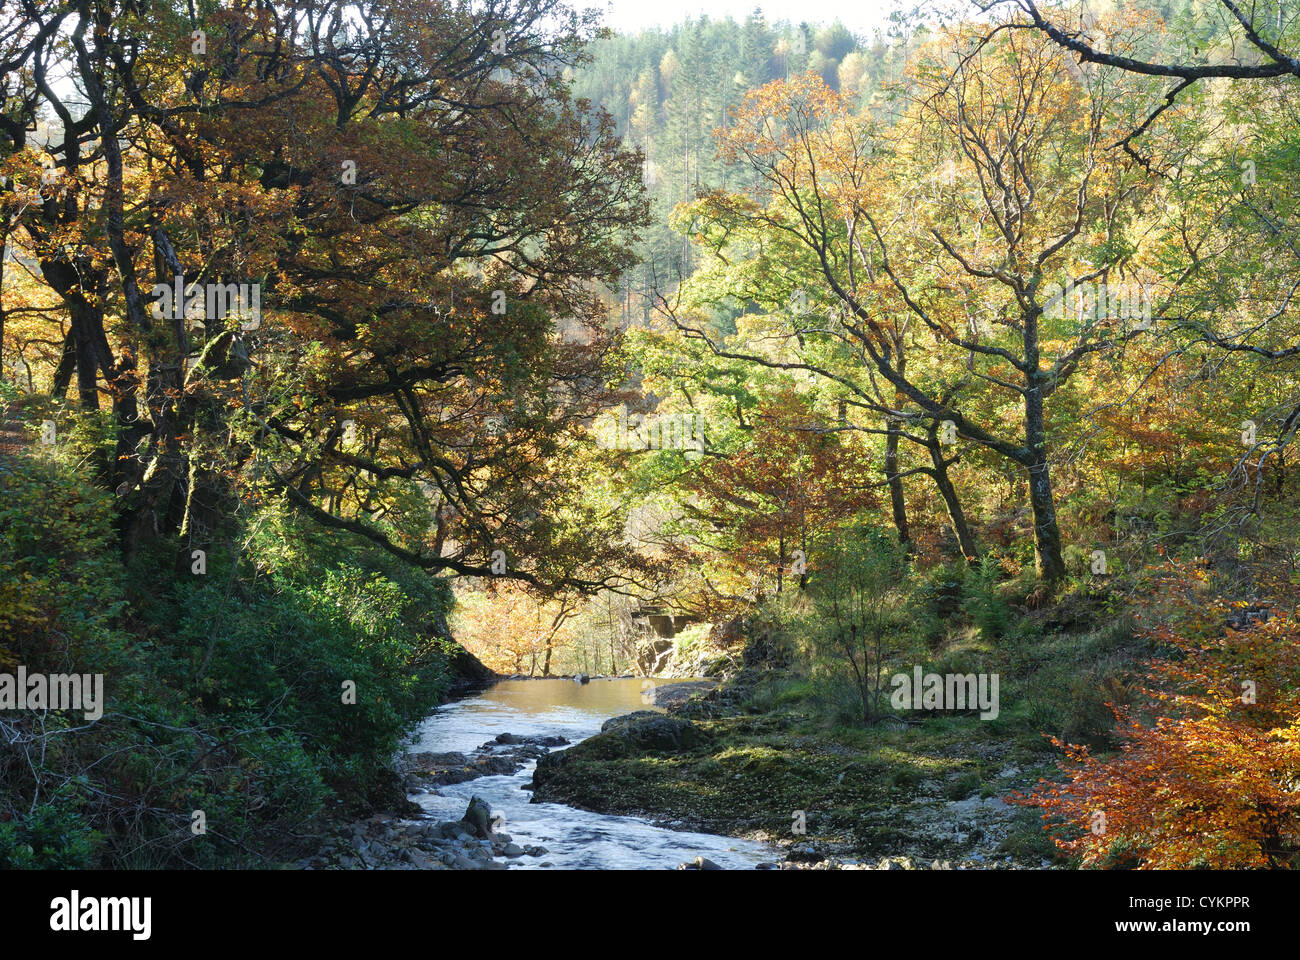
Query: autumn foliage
x=1207 y=772
x=793 y=478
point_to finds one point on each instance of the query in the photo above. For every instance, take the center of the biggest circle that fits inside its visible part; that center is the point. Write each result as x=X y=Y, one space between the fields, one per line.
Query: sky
x=860 y=16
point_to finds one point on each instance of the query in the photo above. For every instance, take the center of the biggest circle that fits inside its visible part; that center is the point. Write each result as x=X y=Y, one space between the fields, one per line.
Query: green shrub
x=224 y=692
x=981 y=601
x=51 y=837
x=862 y=617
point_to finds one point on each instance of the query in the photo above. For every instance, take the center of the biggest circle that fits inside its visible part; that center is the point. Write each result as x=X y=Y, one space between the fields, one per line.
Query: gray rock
x=654 y=731
x=429 y=762
x=537 y=740
x=673 y=696
x=478 y=817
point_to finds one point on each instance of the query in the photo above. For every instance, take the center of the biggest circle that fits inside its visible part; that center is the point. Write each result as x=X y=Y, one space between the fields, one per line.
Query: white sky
x=629 y=16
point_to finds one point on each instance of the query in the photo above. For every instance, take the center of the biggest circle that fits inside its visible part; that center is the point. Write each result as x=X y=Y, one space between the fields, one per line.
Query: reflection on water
x=575 y=839
x=529 y=707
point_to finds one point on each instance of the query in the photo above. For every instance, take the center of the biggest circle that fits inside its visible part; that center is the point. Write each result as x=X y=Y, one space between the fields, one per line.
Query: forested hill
x=669 y=90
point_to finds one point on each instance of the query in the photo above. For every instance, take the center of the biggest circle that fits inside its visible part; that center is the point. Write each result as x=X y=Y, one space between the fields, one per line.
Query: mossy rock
x=655 y=732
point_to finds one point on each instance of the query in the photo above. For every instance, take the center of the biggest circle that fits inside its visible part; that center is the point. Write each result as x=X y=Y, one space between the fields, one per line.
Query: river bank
x=484 y=747
x=734 y=759
x=625 y=772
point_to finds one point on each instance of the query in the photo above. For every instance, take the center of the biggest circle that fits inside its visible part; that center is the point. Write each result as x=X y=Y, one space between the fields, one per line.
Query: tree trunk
x=63 y=373
x=82 y=336
x=1047 y=533
x=896 y=499
x=957 y=516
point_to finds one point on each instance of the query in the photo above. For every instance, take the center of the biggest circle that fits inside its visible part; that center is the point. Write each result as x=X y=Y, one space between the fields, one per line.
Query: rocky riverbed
x=477 y=815
x=384 y=843
x=472 y=843
x=895 y=798
x=505 y=755
x=447 y=774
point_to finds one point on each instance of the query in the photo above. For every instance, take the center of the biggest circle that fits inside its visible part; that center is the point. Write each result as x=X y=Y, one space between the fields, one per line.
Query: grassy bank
x=778 y=739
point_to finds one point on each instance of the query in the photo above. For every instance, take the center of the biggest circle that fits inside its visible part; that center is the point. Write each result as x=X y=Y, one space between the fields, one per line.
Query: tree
x=1232 y=231
x=756 y=49
x=862 y=621
x=426 y=213
x=509 y=628
x=764 y=503
x=1251 y=28
x=1025 y=189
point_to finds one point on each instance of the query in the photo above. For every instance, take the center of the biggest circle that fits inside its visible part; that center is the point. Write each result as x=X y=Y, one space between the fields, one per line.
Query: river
x=574 y=839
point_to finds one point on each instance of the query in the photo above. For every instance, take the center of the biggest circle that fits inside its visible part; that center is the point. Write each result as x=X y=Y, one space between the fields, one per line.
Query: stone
x=478 y=817
x=537 y=740
x=674 y=696
x=654 y=731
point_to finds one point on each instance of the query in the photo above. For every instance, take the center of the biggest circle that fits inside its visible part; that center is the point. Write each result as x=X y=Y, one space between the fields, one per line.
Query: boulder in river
x=654 y=731
x=500 y=757
x=512 y=739
x=478 y=817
